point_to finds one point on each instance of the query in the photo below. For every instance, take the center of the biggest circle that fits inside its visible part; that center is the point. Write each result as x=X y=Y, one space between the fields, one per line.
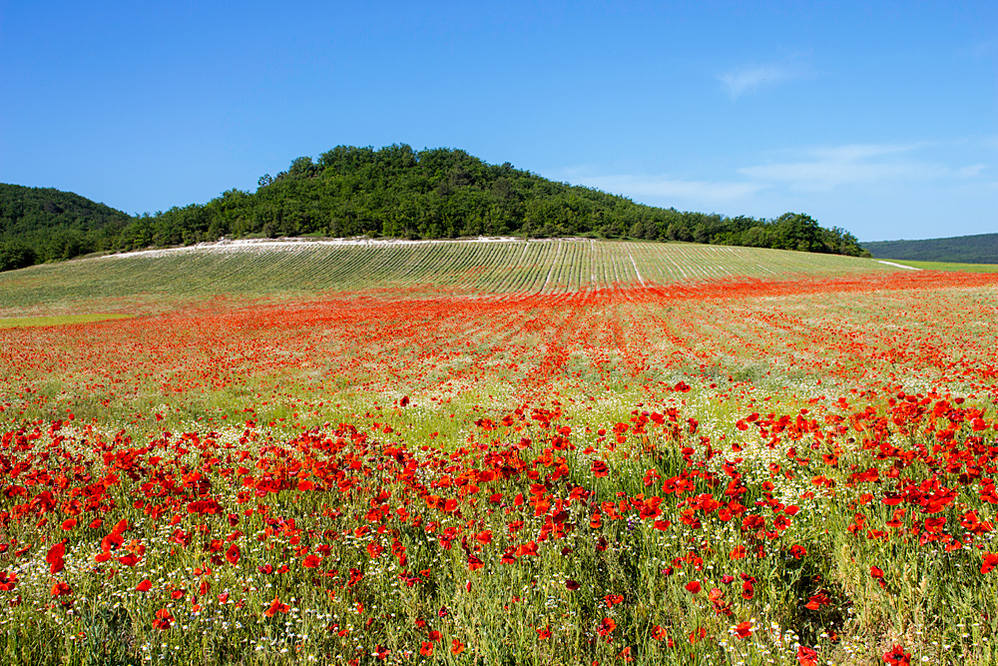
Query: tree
x=797 y=231
x=15 y=254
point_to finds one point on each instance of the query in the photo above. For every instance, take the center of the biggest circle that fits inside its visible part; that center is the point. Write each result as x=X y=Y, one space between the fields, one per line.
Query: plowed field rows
x=546 y=266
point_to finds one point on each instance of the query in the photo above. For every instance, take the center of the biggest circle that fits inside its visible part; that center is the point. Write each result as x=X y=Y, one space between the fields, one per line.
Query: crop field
x=268 y=268
x=566 y=452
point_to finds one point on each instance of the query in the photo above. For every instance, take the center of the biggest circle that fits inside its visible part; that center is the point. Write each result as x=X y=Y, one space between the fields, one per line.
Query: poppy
x=276 y=607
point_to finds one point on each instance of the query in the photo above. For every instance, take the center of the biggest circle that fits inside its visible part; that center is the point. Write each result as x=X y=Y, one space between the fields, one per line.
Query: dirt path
x=891 y=263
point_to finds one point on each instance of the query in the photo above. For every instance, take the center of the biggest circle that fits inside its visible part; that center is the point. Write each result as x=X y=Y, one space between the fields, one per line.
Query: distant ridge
x=39 y=224
x=975 y=249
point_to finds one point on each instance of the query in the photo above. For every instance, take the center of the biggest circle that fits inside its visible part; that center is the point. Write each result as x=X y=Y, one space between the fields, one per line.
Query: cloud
x=749 y=78
x=861 y=151
x=665 y=187
x=822 y=169
x=810 y=170
x=985 y=48
x=971 y=170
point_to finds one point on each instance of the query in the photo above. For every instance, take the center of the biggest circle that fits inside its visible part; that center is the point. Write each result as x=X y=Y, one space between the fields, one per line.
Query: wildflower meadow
x=782 y=469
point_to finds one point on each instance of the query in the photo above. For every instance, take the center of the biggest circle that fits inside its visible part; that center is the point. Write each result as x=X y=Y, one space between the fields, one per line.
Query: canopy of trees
x=44 y=224
x=443 y=193
x=976 y=249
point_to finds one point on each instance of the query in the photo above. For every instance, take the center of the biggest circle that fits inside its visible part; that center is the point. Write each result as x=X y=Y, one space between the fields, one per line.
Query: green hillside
x=394 y=192
x=39 y=224
x=976 y=249
x=397 y=192
x=138 y=281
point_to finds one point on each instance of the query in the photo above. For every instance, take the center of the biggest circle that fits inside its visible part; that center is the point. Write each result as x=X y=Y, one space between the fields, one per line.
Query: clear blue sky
x=880 y=119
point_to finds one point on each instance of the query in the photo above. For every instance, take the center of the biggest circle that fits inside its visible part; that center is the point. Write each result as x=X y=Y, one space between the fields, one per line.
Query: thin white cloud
x=861 y=151
x=817 y=169
x=749 y=78
x=984 y=48
x=666 y=187
x=823 y=169
x=971 y=170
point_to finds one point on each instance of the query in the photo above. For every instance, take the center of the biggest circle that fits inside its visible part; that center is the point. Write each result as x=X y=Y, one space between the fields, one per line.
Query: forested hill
x=42 y=224
x=435 y=193
x=443 y=193
x=976 y=249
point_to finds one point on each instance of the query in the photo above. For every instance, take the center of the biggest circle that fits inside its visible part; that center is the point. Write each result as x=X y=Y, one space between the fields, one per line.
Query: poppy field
x=772 y=469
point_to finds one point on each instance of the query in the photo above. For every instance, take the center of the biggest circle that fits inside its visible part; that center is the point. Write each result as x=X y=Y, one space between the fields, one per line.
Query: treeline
x=976 y=249
x=442 y=193
x=39 y=224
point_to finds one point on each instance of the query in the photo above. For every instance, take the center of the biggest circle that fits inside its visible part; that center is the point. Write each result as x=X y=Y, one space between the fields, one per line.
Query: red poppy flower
x=54 y=558
x=163 y=619
x=806 y=656
x=8 y=581
x=276 y=607
x=129 y=560
x=896 y=656
x=60 y=589
x=989 y=563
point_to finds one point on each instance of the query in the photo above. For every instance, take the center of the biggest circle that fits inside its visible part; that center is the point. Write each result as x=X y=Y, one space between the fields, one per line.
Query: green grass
x=948 y=266
x=57 y=320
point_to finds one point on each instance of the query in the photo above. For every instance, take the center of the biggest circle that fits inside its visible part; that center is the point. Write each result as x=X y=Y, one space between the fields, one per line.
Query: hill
x=394 y=192
x=139 y=280
x=976 y=249
x=397 y=192
x=43 y=224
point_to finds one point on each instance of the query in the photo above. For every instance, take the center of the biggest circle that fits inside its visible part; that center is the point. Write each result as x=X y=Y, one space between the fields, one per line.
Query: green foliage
x=443 y=193
x=44 y=224
x=976 y=249
x=394 y=192
x=15 y=254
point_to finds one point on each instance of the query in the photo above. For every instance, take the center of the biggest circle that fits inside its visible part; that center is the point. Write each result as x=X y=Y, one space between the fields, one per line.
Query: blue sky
x=880 y=118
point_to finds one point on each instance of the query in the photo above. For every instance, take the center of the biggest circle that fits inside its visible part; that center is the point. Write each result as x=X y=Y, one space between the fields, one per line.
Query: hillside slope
x=394 y=192
x=117 y=282
x=40 y=224
x=976 y=249
x=397 y=192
